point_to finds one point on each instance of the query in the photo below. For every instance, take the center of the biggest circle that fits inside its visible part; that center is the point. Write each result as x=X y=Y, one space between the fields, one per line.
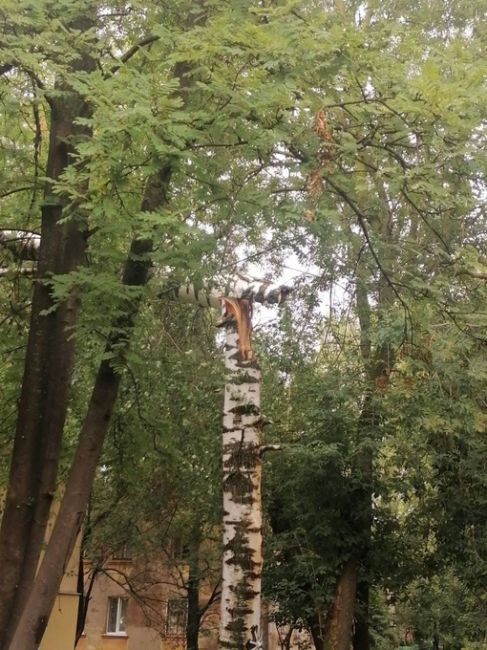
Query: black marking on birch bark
x=252 y=575
x=244 y=593
x=240 y=362
x=239 y=486
x=237 y=419
x=226 y=644
x=239 y=378
x=241 y=456
x=245 y=363
x=245 y=409
x=242 y=553
x=238 y=630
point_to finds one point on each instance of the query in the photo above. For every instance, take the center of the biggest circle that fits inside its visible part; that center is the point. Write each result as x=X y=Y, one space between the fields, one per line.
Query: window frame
x=180 y=606
x=122 y=553
x=122 y=602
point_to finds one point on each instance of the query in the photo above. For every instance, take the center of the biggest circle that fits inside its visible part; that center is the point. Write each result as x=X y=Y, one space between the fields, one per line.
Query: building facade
x=142 y=603
x=138 y=605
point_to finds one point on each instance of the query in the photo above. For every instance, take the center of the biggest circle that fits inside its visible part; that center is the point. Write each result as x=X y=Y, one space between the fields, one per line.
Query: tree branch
x=241 y=287
x=15 y=191
x=363 y=225
x=23 y=244
x=132 y=51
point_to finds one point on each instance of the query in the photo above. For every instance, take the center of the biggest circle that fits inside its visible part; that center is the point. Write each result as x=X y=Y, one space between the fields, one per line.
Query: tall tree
x=129 y=63
x=50 y=349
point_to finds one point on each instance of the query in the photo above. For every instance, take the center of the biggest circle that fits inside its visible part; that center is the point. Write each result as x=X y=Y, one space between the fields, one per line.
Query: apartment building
x=141 y=605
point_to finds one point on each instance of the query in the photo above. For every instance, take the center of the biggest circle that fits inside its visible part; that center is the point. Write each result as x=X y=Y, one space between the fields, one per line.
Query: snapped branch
x=22 y=244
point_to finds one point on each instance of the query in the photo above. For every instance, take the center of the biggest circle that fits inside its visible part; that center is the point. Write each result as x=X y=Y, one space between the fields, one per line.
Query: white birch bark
x=240 y=609
x=23 y=244
x=254 y=290
x=242 y=507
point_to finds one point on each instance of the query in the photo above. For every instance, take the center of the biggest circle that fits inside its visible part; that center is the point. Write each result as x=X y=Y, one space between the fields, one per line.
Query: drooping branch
x=24 y=246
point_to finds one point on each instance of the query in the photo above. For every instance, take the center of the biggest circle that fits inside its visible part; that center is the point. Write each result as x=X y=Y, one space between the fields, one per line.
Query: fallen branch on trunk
x=22 y=244
x=242 y=288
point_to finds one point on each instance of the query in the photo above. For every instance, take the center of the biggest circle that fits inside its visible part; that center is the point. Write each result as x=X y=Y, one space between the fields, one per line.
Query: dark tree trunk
x=35 y=615
x=436 y=641
x=361 y=636
x=345 y=611
x=84 y=591
x=362 y=521
x=47 y=372
x=193 y=587
x=339 y=623
x=83 y=601
x=317 y=633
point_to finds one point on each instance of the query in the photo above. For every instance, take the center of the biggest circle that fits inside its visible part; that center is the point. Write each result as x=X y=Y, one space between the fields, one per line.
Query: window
x=123 y=552
x=117 y=616
x=176 y=616
x=177 y=550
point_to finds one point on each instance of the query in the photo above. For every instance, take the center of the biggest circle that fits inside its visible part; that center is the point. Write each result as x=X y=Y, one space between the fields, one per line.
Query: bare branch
x=132 y=51
x=16 y=190
x=265 y=448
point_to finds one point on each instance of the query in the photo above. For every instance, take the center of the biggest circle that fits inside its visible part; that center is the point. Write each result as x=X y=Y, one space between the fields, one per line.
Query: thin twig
x=363 y=225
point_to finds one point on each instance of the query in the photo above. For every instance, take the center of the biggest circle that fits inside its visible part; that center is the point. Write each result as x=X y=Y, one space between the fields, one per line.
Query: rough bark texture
x=339 y=624
x=47 y=371
x=35 y=615
x=242 y=511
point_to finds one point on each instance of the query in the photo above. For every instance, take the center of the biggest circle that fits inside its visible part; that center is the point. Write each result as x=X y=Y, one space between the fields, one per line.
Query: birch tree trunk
x=240 y=611
x=242 y=506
